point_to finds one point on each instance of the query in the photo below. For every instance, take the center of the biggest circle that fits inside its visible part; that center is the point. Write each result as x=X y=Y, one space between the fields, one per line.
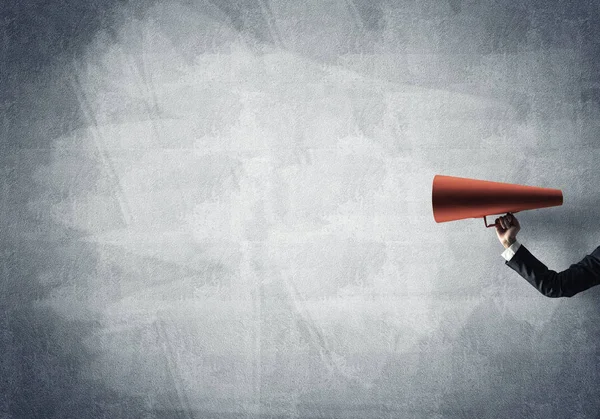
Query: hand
x=507 y=228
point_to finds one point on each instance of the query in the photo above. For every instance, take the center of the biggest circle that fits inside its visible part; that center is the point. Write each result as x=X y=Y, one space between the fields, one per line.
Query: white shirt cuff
x=510 y=251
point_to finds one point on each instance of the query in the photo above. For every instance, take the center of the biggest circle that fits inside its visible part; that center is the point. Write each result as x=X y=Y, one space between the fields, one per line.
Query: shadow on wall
x=571 y=227
x=508 y=381
x=573 y=329
x=508 y=358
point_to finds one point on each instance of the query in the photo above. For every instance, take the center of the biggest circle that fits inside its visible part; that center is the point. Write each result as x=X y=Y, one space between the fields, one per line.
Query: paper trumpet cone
x=456 y=198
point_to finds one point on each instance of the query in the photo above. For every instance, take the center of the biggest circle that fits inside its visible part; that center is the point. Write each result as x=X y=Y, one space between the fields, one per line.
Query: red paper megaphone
x=457 y=198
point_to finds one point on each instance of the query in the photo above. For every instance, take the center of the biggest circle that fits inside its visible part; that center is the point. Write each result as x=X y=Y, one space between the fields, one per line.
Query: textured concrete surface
x=222 y=209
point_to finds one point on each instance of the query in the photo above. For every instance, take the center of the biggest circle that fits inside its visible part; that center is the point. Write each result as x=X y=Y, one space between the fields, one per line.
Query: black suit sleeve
x=578 y=277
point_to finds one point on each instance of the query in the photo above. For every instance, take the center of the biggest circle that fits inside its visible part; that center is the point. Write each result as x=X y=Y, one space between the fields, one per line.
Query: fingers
x=503 y=222
x=499 y=226
x=507 y=227
x=507 y=221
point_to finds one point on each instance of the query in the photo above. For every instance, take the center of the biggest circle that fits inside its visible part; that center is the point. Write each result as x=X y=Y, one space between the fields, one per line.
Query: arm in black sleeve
x=578 y=277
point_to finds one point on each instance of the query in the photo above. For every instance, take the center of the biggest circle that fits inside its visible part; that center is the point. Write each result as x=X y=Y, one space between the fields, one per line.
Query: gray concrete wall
x=223 y=208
